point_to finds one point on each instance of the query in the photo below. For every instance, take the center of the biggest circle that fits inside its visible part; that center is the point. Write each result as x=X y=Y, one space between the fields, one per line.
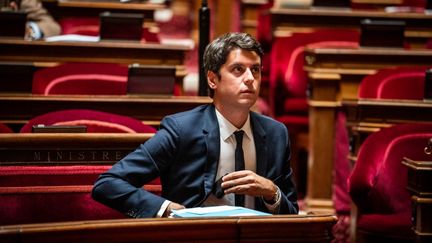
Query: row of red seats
x=37 y=194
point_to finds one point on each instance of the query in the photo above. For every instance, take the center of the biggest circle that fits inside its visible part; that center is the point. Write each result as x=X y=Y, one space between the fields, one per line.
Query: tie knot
x=239 y=136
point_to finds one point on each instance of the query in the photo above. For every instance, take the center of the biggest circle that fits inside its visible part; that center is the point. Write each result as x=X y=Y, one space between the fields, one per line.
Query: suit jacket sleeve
x=121 y=187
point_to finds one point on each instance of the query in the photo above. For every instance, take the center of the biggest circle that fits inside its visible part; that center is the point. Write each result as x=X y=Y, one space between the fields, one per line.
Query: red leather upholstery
x=394 y=83
x=96 y=121
x=81 y=78
x=378 y=181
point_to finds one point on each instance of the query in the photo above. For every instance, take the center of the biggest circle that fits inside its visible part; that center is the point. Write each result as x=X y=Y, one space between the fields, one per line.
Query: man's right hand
x=172 y=206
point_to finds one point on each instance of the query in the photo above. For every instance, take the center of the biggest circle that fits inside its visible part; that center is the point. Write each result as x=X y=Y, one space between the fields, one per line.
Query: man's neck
x=237 y=116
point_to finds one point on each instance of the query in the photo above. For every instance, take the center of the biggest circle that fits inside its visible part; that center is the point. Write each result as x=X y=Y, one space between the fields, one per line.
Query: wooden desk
x=366 y=116
x=91 y=8
x=233 y=229
x=284 y=20
x=19 y=108
x=335 y=74
x=18 y=50
x=420 y=186
x=125 y=52
x=67 y=148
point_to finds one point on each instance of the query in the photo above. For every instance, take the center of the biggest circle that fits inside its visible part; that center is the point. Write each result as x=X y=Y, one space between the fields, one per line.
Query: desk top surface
x=347 y=12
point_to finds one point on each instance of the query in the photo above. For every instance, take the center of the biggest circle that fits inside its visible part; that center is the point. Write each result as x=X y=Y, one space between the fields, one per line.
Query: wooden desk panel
x=284 y=20
x=366 y=116
x=334 y=75
x=67 y=148
x=17 y=109
x=420 y=187
x=17 y=50
x=233 y=229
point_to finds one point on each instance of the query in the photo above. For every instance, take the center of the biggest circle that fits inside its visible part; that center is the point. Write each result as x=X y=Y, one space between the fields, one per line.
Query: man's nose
x=249 y=78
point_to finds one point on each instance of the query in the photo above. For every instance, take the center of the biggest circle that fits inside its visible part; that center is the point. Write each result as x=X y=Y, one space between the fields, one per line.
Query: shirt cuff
x=36 y=31
x=274 y=208
x=162 y=209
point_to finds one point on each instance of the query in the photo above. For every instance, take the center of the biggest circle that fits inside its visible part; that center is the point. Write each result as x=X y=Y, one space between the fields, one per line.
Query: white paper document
x=216 y=211
x=73 y=38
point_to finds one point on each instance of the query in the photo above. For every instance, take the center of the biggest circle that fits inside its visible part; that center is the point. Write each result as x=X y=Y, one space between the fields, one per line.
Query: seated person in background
x=194 y=149
x=40 y=23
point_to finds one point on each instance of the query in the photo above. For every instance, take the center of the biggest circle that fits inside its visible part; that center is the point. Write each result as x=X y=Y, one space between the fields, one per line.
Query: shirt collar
x=227 y=129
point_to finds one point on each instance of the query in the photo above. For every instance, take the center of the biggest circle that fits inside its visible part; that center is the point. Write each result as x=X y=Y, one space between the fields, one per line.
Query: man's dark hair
x=216 y=53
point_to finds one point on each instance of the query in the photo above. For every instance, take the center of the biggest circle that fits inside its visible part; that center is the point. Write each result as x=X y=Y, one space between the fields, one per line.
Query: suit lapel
x=212 y=136
x=260 y=145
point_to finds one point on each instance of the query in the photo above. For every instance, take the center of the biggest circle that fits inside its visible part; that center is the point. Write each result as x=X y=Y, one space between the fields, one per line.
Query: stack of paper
x=216 y=211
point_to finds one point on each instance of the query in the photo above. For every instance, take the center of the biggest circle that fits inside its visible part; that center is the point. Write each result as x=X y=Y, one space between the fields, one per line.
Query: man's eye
x=256 y=70
x=238 y=70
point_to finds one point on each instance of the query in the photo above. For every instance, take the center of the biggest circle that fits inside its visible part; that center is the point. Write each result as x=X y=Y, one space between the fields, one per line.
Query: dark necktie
x=239 y=163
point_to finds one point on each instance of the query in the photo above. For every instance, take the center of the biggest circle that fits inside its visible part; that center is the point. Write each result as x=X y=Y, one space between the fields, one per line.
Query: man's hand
x=172 y=206
x=249 y=183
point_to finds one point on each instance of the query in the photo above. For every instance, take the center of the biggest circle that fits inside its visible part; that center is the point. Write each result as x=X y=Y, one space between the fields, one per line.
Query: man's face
x=240 y=79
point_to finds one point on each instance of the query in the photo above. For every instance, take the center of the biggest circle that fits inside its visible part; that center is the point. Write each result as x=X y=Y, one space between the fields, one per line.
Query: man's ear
x=212 y=79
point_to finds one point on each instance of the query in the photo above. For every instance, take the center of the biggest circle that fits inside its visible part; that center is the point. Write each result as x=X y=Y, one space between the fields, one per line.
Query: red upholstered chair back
x=378 y=182
x=37 y=194
x=378 y=171
x=81 y=78
x=5 y=129
x=80 y=26
x=287 y=77
x=95 y=121
x=394 y=83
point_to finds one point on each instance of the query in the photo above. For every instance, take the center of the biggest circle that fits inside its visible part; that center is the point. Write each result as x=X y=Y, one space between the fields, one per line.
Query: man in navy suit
x=193 y=150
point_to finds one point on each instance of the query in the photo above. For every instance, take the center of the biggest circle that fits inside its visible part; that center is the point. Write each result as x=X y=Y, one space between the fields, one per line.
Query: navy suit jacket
x=184 y=153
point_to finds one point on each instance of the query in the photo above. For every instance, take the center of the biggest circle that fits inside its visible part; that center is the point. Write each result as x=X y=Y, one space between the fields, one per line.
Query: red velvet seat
x=34 y=194
x=95 y=121
x=4 y=128
x=377 y=183
x=84 y=79
x=288 y=80
x=81 y=78
x=39 y=194
x=394 y=83
x=389 y=83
